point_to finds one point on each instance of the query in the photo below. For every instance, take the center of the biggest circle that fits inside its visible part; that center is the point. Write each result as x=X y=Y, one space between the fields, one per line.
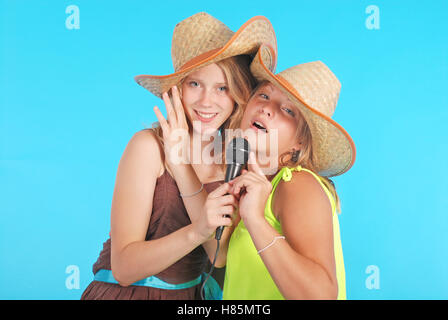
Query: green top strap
x=242 y=254
x=285 y=174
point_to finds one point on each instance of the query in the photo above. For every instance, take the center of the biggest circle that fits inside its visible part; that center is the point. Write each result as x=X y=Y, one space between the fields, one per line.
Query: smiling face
x=269 y=112
x=206 y=98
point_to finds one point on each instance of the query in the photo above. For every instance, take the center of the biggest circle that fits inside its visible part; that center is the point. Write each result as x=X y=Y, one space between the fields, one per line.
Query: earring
x=295 y=155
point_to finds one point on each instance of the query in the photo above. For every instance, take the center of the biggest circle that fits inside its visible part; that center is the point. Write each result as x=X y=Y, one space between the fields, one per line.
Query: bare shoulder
x=303 y=194
x=305 y=215
x=135 y=183
x=146 y=139
x=144 y=148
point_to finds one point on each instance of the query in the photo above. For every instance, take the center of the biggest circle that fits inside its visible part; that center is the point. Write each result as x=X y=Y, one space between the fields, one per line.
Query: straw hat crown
x=196 y=35
x=314 y=90
x=201 y=40
x=315 y=84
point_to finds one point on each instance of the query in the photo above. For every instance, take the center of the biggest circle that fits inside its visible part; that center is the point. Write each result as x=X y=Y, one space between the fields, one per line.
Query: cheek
x=288 y=137
x=291 y=131
x=188 y=111
x=188 y=99
x=227 y=104
x=187 y=96
x=248 y=113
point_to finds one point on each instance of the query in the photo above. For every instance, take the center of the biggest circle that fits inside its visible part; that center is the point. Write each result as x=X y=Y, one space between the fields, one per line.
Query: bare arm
x=302 y=266
x=133 y=258
x=175 y=133
x=188 y=183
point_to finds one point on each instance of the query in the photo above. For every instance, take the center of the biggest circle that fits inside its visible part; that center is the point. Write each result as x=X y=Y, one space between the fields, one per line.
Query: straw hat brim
x=249 y=37
x=334 y=151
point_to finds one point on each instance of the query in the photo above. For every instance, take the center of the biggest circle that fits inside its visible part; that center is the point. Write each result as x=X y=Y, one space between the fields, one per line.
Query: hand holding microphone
x=237 y=155
x=257 y=188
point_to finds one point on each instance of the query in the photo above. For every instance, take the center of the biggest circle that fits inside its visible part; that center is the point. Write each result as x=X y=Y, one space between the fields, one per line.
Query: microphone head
x=237 y=151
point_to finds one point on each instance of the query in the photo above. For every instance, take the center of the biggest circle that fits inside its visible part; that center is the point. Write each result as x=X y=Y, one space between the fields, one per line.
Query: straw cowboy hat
x=314 y=90
x=201 y=40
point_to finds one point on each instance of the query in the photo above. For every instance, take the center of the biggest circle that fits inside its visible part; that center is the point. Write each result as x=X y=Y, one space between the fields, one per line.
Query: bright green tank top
x=247 y=278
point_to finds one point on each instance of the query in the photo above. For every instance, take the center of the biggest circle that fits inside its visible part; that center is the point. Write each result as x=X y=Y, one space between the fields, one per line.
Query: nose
x=268 y=109
x=205 y=98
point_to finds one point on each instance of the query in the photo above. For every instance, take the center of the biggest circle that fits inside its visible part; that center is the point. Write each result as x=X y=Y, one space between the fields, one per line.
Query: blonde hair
x=240 y=83
x=306 y=157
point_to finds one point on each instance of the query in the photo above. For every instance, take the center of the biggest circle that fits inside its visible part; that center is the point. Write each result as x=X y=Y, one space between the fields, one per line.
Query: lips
x=205 y=116
x=258 y=125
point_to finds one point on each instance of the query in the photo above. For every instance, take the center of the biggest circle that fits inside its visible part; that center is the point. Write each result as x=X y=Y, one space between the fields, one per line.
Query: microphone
x=237 y=155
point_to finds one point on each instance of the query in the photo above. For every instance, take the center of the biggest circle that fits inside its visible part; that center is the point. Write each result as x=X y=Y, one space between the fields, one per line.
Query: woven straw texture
x=201 y=40
x=314 y=89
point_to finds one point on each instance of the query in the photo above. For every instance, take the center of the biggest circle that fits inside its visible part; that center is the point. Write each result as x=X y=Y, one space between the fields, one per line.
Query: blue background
x=69 y=105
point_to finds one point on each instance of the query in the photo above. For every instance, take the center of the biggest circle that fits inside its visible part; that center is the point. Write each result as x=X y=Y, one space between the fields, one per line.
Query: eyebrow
x=268 y=85
x=190 y=78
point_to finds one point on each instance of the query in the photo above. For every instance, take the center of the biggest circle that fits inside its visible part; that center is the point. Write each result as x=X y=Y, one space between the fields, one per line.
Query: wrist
x=178 y=166
x=254 y=221
x=195 y=236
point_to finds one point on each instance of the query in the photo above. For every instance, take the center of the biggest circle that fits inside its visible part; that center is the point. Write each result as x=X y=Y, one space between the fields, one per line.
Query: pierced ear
x=297 y=146
x=295 y=155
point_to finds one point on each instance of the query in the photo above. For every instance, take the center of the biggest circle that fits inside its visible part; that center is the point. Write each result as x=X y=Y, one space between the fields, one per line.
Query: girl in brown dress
x=160 y=242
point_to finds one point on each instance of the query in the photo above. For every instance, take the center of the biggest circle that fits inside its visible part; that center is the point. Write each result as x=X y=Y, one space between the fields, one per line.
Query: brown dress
x=168 y=215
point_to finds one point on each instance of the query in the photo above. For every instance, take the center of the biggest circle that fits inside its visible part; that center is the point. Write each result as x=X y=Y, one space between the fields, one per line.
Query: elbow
x=220 y=260
x=335 y=292
x=220 y=263
x=120 y=277
x=124 y=274
x=327 y=288
x=330 y=293
x=327 y=291
x=120 y=272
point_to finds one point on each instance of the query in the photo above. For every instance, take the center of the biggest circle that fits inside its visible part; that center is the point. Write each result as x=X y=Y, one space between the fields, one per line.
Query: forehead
x=266 y=85
x=212 y=72
x=274 y=91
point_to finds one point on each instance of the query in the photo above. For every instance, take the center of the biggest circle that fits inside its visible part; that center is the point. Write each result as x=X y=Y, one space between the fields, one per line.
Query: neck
x=268 y=164
x=205 y=149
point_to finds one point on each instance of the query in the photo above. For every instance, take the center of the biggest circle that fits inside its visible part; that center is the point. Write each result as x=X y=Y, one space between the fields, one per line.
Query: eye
x=289 y=111
x=264 y=96
x=193 y=83
x=222 y=89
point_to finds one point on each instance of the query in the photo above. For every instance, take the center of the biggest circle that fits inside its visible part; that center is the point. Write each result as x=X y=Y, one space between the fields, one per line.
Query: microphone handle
x=233 y=171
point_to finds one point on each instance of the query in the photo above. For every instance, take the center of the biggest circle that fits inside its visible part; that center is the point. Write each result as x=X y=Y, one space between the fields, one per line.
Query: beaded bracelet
x=273 y=241
x=193 y=194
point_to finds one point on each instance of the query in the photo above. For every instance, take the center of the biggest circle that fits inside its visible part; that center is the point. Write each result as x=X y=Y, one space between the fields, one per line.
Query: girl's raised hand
x=256 y=191
x=175 y=129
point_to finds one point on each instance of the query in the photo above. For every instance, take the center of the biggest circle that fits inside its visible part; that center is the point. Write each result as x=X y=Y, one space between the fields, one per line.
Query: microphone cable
x=237 y=155
x=211 y=269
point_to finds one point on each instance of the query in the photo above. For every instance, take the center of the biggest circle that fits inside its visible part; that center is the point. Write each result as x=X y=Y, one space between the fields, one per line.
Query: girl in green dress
x=287 y=244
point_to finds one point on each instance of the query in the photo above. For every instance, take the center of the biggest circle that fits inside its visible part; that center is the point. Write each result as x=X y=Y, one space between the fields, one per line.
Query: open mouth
x=259 y=126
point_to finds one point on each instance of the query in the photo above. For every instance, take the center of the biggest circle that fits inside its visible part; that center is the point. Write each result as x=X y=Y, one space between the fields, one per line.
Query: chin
x=207 y=130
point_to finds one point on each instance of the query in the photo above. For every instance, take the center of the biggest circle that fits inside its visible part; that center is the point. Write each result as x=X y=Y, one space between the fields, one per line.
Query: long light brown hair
x=240 y=83
x=306 y=157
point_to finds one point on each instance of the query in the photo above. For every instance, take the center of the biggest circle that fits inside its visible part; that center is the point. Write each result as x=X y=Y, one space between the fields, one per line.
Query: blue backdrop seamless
x=69 y=105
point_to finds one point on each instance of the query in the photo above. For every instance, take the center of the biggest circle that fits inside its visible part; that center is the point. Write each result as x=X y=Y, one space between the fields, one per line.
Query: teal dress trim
x=211 y=288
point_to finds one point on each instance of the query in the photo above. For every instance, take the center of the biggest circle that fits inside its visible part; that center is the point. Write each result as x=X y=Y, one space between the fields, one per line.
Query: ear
x=296 y=146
